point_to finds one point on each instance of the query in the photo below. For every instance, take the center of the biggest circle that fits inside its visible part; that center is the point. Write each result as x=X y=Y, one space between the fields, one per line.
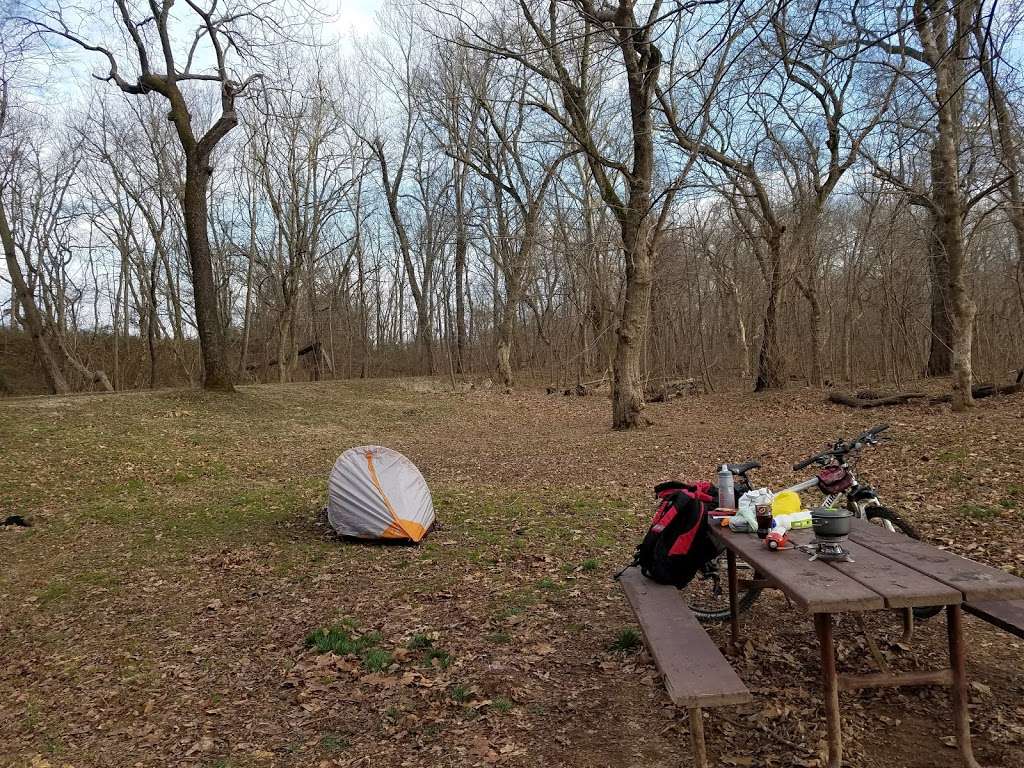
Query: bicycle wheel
x=891 y=521
x=708 y=593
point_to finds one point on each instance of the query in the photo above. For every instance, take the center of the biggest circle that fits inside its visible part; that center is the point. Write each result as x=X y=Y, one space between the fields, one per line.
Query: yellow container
x=785 y=503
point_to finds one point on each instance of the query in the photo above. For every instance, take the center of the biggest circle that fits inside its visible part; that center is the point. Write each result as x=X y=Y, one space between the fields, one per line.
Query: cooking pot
x=831 y=522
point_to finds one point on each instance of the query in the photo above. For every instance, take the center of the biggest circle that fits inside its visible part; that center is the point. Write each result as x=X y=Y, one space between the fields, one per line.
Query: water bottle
x=726 y=489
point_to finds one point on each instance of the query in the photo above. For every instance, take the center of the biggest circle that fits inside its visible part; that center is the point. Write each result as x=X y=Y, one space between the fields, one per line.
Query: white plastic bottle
x=726 y=489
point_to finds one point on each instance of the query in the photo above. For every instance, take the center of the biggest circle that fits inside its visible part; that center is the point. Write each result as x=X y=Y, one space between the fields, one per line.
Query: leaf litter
x=157 y=611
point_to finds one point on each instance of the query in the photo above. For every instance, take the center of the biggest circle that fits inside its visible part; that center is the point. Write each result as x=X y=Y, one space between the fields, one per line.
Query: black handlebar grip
x=746 y=466
x=878 y=428
x=805 y=463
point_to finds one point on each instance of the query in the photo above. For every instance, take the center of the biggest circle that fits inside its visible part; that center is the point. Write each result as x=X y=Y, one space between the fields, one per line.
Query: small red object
x=776 y=540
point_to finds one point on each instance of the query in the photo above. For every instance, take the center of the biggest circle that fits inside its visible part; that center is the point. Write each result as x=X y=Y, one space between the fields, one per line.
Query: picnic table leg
x=908 y=625
x=830 y=685
x=734 y=588
x=700 y=754
x=958 y=693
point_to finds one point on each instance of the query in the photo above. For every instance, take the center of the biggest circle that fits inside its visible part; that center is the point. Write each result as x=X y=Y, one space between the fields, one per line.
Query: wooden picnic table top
x=889 y=570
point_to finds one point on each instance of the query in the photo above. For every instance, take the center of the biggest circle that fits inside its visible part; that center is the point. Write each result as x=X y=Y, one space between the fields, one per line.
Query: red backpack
x=678 y=542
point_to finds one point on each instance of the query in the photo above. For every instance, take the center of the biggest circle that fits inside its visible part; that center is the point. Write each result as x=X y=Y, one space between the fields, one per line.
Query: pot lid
x=836 y=514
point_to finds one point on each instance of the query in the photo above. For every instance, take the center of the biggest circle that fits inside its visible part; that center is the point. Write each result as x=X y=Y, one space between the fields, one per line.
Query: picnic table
x=889 y=571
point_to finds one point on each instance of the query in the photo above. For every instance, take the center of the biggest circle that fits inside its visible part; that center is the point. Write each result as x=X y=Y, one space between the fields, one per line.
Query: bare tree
x=559 y=43
x=24 y=308
x=930 y=44
x=157 y=66
x=990 y=52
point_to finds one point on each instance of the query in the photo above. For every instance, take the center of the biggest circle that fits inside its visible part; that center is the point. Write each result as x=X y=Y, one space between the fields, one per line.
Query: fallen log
x=870 y=399
x=669 y=390
x=853 y=401
x=580 y=390
x=987 y=390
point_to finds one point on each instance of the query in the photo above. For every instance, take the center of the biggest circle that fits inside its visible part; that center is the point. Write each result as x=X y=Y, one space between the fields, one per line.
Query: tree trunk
x=735 y=305
x=627 y=391
x=940 y=344
x=243 y=353
x=810 y=292
x=461 y=239
x=30 y=315
x=770 y=369
x=817 y=340
x=949 y=215
x=284 y=345
x=94 y=376
x=424 y=337
x=217 y=373
x=504 y=345
x=152 y=323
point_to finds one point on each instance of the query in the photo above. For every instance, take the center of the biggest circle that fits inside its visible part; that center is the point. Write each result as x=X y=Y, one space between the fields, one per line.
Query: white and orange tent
x=377 y=493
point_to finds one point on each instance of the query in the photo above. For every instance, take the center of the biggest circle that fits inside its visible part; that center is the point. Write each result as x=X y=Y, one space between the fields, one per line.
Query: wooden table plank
x=976 y=581
x=899 y=586
x=1005 y=614
x=814 y=586
x=695 y=672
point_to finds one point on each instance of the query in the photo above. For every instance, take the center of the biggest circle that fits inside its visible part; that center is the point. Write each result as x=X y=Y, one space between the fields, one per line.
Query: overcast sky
x=358 y=15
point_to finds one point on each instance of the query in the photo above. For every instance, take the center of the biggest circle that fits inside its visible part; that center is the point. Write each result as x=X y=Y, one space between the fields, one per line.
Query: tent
x=377 y=493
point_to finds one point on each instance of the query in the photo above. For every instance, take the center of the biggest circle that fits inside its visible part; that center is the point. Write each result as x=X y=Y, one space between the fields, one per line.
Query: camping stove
x=830 y=548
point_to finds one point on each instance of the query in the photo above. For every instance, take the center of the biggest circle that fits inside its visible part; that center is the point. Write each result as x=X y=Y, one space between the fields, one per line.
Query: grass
x=333 y=742
x=340 y=639
x=460 y=694
x=501 y=704
x=55 y=590
x=420 y=642
x=547 y=583
x=627 y=639
x=149 y=506
x=377 y=659
x=438 y=657
x=978 y=511
x=343 y=640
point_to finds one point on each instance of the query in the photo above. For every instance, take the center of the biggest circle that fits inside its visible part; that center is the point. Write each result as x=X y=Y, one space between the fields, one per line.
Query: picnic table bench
x=694 y=671
x=889 y=571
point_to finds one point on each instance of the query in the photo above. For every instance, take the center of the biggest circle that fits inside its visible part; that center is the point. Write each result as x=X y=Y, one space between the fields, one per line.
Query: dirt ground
x=157 y=611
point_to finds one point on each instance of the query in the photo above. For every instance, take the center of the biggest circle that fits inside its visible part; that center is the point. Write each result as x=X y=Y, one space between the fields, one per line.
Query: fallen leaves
x=222 y=570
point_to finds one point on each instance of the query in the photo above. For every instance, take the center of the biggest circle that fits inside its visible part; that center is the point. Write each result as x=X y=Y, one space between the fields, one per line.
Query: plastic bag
x=745 y=511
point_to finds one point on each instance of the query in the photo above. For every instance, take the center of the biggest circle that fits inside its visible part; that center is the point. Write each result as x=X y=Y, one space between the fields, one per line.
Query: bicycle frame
x=831 y=500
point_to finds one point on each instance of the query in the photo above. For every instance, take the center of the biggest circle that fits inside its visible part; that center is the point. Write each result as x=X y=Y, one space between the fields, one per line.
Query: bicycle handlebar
x=742 y=469
x=841 y=448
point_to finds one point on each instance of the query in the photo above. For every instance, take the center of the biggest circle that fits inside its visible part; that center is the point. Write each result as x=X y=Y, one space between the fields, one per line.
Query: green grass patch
x=502 y=705
x=627 y=640
x=438 y=657
x=978 y=511
x=53 y=592
x=342 y=640
x=589 y=565
x=460 y=694
x=377 y=659
x=420 y=642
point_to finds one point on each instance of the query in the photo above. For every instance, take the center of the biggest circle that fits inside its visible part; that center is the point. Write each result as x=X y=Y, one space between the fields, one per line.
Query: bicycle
x=707 y=596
